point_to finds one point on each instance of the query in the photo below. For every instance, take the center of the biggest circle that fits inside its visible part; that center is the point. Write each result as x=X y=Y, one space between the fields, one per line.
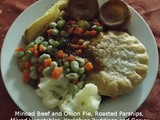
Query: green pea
x=47 y=72
x=28 y=53
x=83 y=77
x=64 y=34
x=81 y=61
x=50 y=48
x=52 y=25
x=34 y=59
x=53 y=65
x=73 y=89
x=54 y=43
x=43 y=57
x=80 y=84
x=74 y=66
x=38 y=40
x=97 y=28
x=45 y=43
x=55 y=32
x=81 y=70
x=19 y=54
x=68 y=70
x=30 y=45
x=60 y=23
x=72 y=76
x=33 y=75
x=66 y=65
x=83 y=24
x=33 y=69
x=74 y=25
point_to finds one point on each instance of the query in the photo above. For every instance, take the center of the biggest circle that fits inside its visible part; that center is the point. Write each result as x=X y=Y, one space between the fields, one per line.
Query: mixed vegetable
x=59 y=50
x=56 y=62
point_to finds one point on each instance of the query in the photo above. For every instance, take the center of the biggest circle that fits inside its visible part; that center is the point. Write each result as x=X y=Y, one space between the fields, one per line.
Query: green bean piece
x=53 y=25
x=64 y=34
x=74 y=66
x=81 y=70
x=55 y=32
x=53 y=65
x=47 y=72
x=43 y=57
x=73 y=89
x=19 y=54
x=72 y=76
x=81 y=61
x=38 y=40
x=66 y=65
x=60 y=23
x=83 y=24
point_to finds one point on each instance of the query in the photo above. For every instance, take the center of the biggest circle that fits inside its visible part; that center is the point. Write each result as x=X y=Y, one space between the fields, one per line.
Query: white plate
x=25 y=97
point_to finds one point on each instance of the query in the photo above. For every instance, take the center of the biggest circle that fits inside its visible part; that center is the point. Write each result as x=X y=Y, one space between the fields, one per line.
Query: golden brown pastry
x=125 y=60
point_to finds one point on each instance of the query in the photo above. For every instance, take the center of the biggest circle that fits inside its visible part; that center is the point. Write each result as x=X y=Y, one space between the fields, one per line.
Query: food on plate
x=125 y=60
x=87 y=99
x=71 y=60
x=83 y=9
x=37 y=26
x=115 y=14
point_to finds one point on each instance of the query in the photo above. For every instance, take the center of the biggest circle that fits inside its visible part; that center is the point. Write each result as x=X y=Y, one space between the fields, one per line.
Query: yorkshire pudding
x=115 y=15
x=83 y=9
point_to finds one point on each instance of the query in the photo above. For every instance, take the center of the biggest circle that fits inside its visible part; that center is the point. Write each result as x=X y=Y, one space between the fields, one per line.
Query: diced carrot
x=40 y=68
x=79 y=51
x=49 y=32
x=35 y=47
x=47 y=62
x=70 y=58
x=36 y=53
x=19 y=49
x=78 y=31
x=25 y=76
x=56 y=73
x=31 y=49
x=86 y=34
x=42 y=48
x=70 y=30
x=92 y=32
x=27 y=65
x=88 y=66
x=74 y=82
x=60 y=54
